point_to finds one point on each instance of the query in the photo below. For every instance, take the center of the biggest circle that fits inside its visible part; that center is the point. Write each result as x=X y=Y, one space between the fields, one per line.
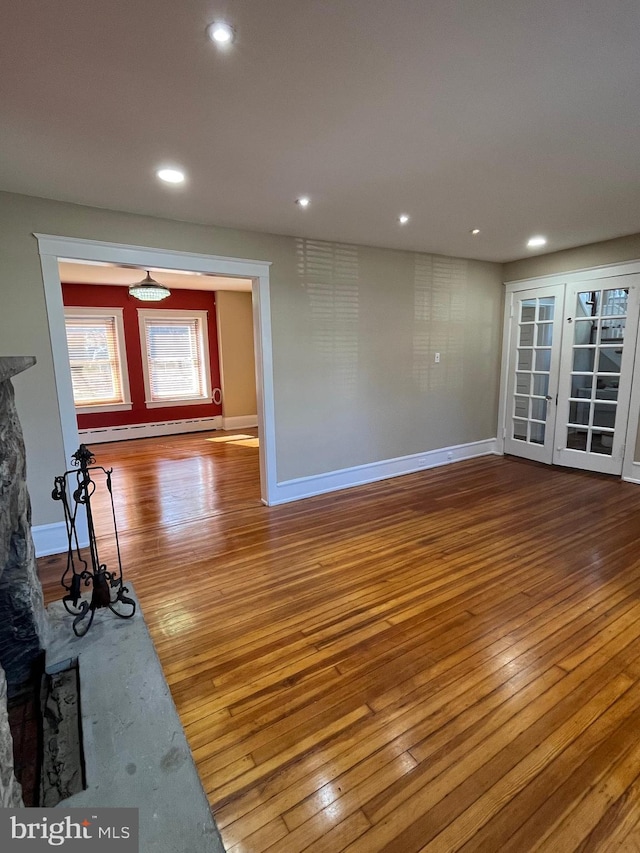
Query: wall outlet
x=449 y=456
x=437 y=358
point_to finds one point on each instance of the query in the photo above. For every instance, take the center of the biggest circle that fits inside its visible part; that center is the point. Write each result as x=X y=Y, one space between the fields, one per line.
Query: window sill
x=106 y=407
x=164 y=404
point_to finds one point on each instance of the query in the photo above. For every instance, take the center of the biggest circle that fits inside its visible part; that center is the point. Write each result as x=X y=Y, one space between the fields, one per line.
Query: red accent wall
x=110 y=296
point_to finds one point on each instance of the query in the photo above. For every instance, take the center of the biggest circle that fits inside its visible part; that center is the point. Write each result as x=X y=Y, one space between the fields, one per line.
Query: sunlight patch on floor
x=243 y=440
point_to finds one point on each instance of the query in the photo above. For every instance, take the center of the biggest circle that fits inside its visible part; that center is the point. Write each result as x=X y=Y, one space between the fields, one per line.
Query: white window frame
x=117 y=314
x=167 y=314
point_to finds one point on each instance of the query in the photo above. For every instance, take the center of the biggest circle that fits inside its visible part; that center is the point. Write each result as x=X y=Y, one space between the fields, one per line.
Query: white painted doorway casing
x=54 y=248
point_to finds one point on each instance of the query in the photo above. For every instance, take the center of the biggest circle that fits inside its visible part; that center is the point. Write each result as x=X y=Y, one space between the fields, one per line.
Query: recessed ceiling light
x=221 y=33
x=536 y=242
x=303 y=201
x=403 y=218
x=171 y=176
x=475 y=231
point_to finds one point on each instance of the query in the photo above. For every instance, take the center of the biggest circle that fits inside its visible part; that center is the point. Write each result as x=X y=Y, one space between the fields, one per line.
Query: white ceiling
x=514 y=116
x=74 y=272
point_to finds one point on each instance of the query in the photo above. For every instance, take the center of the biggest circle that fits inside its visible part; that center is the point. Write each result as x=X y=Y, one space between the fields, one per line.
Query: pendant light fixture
x=149 y=290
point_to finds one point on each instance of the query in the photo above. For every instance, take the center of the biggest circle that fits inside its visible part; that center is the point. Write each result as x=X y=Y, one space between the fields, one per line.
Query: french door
x=570 y=370
x=596 y=368
x=534 y=360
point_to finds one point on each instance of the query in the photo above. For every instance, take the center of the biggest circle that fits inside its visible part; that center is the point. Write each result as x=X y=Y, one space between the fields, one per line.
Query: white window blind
x=96 y=360
x=176 y=363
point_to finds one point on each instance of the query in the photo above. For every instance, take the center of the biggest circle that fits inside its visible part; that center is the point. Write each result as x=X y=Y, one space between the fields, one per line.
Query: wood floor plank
x=357 y=790
x=446 y=661
x=592 y=808
x=468 y=823
x=262 y=838
x=456 y=764
x=562 y=781
x=623 y=830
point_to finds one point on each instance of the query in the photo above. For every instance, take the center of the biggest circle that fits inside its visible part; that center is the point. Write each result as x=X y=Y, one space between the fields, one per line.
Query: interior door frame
x=630 y=469
x=53 y=248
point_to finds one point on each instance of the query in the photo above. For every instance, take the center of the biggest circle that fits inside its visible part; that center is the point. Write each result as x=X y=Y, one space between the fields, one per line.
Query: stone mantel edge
x=11 y=365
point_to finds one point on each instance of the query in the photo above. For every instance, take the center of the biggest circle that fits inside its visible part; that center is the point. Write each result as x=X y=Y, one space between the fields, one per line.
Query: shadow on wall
x=330 y=275
x=440 y=286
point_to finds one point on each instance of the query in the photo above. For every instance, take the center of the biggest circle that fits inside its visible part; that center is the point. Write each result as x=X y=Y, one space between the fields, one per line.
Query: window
x=175 y=349
x=95 y=340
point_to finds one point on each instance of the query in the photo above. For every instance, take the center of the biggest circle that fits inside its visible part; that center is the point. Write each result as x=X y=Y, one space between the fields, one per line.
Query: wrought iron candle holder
x=74 y=489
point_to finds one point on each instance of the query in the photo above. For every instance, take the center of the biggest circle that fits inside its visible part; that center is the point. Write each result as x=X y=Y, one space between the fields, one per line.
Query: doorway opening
x=140 y=368
x=53 y=249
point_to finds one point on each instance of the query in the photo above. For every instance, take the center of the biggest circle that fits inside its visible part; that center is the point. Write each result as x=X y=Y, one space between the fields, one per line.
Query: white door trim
x=503 y=402
x=52 y=248
x=630 y=468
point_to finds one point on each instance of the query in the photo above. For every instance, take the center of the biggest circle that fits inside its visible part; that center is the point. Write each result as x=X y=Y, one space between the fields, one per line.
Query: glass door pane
x=598 y=343
x=533 y=366
x=535 y=332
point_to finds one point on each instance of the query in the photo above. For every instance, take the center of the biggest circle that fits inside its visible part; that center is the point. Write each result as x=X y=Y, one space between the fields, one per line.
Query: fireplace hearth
x=109 y=720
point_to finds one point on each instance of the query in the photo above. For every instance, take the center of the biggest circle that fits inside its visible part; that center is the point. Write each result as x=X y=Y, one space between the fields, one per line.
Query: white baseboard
x=52 y=539
x=240 y=422
x=306 y=487
x=124 y=433
x=635 y=474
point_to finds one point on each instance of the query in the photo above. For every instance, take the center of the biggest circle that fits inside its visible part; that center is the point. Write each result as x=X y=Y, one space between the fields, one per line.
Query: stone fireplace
x=23 y=620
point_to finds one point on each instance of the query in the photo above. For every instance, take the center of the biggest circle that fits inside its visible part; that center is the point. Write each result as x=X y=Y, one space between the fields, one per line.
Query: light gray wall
x=582 y=257
x=358 y=332
x=354 y=334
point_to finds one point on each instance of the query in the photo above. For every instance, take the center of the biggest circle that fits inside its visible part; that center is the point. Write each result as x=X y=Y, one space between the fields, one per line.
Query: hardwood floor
x=446 y=661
